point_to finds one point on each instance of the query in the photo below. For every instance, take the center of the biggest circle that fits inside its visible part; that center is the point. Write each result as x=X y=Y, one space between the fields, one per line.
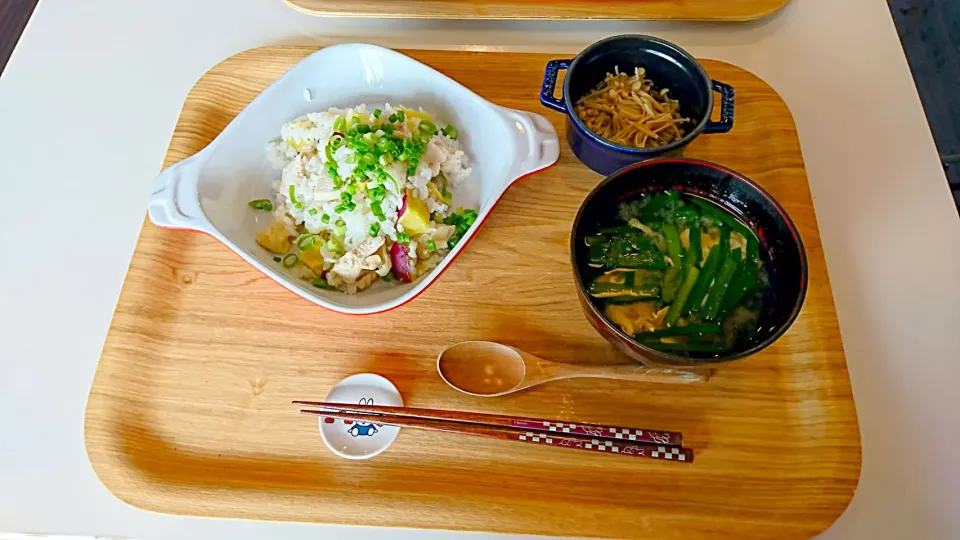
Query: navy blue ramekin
x=667 y=65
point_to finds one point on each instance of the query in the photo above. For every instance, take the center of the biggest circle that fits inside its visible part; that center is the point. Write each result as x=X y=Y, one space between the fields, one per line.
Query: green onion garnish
x=385 y=159
x=276 y=259
x=392 y=118
x=325 y=218
x=312 y=211
x=402 y=238
x=261 y=204
x=363 y=129
x=377 y=113
x=400 y=115
x=449 y=131
x=336 y=141
x=374 y=229
x=306 y=241
x=339 y=124
x=427 y=127
x=290 y=260
x=355 y=120
x=387 y=128
x=377 y=211
x=320 y=283
x=389 y=277
x=293 y=198
x=339 y=208
x=340 y=228
x=431 y=245
x=369 y=138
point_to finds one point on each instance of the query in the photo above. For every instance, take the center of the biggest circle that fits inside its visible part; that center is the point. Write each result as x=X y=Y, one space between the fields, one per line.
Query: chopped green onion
x=369 y=159
x=339 y=208
x=402 y=238
x=293 y=198
x=276 y=259
x=352 y=133
x=431 y=245
x=320 y=283
x=427 y=127
x=377 y=211
x=377 y=113
x=369 y=137
x=387 y=128
x=400 y=115
x=340 y=228
x=290 y=260
x=306 y=241
x=449 y=131
x=392 y=118
x=336 y=141
x=312 y=211
x=355 y=120
x=334 y=245
x=346 y=197
x=351 y=206
x=389 y=277
x=325 y=218
x=385 y=159
x=261 y=204
x=374 y=229
x=363 y=129
x=339 y=124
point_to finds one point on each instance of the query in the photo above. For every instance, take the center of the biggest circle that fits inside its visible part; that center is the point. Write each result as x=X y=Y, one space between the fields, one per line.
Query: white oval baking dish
x=209 y=191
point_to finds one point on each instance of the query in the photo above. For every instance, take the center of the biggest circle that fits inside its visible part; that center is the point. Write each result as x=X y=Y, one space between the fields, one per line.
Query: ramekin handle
x=174 y=200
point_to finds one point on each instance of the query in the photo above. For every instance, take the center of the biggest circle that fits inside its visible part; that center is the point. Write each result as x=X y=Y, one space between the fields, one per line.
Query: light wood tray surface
x=691 y=10
x=190 y=411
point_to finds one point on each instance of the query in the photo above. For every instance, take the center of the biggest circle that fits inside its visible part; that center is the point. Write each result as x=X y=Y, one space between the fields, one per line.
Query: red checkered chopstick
x=563 y=440
x=529 y=427
x=670 y=438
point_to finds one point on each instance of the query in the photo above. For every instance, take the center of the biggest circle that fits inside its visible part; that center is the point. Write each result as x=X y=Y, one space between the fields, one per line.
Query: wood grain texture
x=690 y=10
x=190 y=411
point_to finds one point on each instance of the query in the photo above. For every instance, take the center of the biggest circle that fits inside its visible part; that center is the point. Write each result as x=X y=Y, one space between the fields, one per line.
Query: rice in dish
x=629 y=111
x=364 y=194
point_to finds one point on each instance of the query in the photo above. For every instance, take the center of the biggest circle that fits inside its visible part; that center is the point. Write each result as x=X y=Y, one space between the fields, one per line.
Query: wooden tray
x=190 y=407
x=690 y=10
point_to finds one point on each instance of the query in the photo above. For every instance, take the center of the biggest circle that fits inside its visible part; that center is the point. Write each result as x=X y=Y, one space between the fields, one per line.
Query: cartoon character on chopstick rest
x=363 y=428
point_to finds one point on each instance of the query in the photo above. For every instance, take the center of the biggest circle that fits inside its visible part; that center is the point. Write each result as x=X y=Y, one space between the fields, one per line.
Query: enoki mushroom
x=626 y=110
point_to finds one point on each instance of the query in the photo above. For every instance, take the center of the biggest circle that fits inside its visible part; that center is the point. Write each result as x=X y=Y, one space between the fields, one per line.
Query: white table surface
x=90 y=98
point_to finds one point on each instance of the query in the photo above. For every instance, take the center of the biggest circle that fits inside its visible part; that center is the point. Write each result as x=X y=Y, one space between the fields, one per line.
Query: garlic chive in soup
x=679 y=274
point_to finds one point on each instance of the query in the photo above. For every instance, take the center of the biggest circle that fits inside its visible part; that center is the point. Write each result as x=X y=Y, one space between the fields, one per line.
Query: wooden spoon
x=485 y=368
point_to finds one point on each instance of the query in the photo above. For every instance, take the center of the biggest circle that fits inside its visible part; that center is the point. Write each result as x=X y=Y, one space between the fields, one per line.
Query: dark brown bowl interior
x=780 y=247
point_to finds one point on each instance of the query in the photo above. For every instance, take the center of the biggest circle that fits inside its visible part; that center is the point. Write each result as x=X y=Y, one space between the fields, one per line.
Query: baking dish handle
x=542 y=145
x=550 y=84
x=726 y=109
x=174 y=201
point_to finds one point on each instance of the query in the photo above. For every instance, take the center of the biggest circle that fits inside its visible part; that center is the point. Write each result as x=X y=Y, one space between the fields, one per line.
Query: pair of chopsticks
x=665 y=445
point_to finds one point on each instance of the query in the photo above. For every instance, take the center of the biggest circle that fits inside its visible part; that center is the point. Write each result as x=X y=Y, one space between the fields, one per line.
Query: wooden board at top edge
x=189 y=410
x=689 y=10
